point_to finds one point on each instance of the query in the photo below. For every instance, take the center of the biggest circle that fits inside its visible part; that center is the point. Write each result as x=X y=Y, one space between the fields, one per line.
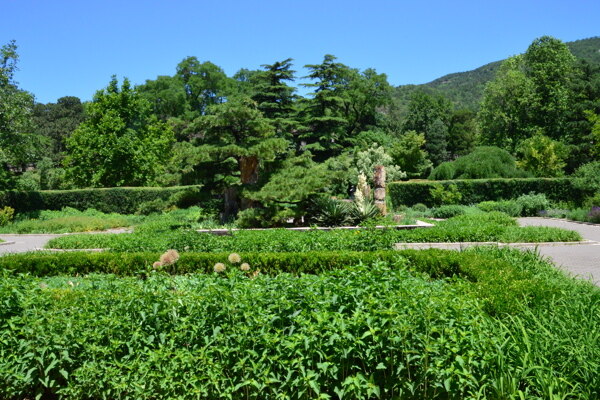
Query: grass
x=379 y=330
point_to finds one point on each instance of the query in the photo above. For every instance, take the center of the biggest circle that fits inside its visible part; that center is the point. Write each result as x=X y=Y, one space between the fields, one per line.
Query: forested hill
x=465 y=89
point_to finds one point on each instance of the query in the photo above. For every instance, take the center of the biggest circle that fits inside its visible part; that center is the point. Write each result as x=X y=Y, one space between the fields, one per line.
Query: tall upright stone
x=379 y=188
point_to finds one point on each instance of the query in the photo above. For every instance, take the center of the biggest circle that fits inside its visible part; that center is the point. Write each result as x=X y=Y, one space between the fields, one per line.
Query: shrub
x=594 y=215
x=6 y=215
x=509 y=207
x=331 y=212
x=484 y=162
x=532 y=203
x=420 y=207
x=587 y=177
x=448 y=211
x=441 y=195
x=152 y=207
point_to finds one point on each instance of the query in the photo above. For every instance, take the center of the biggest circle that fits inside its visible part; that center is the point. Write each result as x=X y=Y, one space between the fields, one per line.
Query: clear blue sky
x=73 y=47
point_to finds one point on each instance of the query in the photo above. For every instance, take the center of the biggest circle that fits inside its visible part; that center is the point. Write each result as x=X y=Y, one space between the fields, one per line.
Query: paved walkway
x=580 y=260
x=24 y=243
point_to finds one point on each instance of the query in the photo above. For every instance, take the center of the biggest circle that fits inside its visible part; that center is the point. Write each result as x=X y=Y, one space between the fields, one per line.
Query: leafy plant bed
x=67 y=220
x=486 y=323
x=220 y=232
x=484 y=227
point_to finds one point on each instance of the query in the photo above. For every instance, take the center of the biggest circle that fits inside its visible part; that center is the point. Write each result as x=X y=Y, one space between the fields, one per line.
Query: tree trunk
x=248 y=176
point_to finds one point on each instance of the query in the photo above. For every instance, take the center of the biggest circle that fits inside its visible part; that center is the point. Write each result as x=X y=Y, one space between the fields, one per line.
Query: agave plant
x=331 y=212
x=363 y=210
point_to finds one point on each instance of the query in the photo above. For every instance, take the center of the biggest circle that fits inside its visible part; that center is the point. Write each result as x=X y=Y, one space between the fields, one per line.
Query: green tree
x=274 y=97
x=120 y=144
x=504 y=114
x=167 y=96
x=57 y=121
x=529 y=93
x=542 y=156
x=344 y=103
x=237 y=138
x=324 y=119
x=18 y=146
x=205 y=84
x=409 y=154
x=550 y=65
x=462 y=133
x=430 y=115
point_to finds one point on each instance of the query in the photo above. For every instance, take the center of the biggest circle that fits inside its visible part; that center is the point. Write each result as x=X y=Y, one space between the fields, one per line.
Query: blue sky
x=73 y=47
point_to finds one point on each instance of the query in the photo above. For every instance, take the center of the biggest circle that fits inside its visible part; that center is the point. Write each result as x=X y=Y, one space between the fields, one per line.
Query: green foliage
x=423 y=324
x=483 y=162
x=530 y=94
x=542 y=156
x=330 y=212
x=510 y=207
x=408 y=153
x=205 y=84
x=441 y=195
x=449 y=211
x=465 y=228
x=477 y=190
x=6 y=215
x=367 y=160
x=121 y=143
x=532 y=203
x=67 y=220
x=17 y=145
x=58 y=121
x=430 y=115
x=118 y=200
x=28 y=181
x=587 y=177
x=344 y=103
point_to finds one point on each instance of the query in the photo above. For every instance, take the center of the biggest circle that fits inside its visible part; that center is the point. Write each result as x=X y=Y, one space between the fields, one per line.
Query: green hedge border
x=477 y=190
x=503 y=278
x=124 y=200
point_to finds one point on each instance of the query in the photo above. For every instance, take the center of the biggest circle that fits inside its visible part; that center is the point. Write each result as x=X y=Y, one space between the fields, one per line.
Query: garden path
x=580 y=260
x=23 y=243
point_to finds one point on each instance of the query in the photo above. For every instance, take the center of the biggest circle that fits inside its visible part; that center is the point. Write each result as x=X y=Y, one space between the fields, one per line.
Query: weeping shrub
x=484 y=162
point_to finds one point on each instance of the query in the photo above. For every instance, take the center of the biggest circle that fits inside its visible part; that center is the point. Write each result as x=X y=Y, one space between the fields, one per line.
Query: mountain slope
x=465 y=89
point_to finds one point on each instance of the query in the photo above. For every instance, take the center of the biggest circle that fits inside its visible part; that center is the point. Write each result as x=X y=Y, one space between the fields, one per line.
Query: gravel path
x=580 y=260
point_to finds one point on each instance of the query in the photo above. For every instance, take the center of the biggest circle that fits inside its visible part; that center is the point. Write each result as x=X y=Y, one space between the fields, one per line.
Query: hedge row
x=478 y=190
x=72 y=263
x=124 y=200
x=501 y=277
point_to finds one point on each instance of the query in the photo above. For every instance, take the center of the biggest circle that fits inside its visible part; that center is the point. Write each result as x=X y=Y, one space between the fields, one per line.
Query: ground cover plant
x=480 y=227
x=487 y=324
x=67 y=220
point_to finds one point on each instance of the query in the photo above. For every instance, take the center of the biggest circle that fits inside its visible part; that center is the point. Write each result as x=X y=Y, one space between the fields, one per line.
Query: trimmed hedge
x=477 y=190
x=72 y=263
x=501 y=277
x=123 y=200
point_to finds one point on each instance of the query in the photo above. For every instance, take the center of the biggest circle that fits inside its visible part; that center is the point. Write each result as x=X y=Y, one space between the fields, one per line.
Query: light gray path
x=23 y=243
x=581 y=260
